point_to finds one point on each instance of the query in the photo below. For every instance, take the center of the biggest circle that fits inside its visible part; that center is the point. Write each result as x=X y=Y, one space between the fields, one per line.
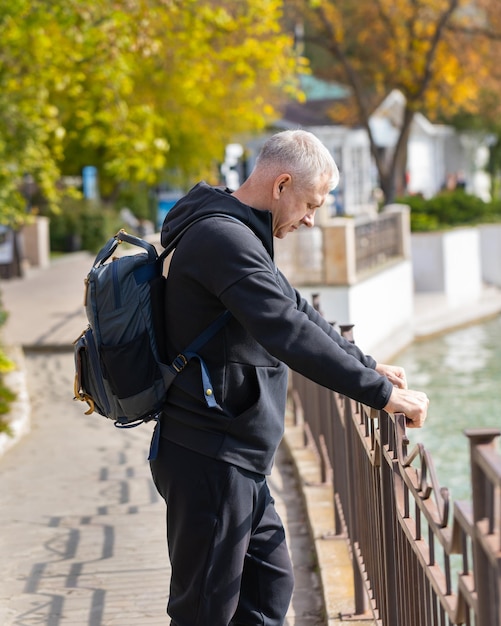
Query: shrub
x=6 y=395
x=82 y=224
x=448 y=209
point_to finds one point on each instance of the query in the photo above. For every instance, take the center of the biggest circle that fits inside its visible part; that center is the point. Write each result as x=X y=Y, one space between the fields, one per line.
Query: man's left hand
x=394 y=373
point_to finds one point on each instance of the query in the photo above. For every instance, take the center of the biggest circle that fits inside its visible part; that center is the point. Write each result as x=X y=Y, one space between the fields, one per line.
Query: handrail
x=389 y=503
x=377 y=241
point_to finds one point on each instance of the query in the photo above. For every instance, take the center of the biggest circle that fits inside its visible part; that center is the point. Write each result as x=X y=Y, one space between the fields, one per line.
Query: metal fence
x=378 y=241
x=412 y=564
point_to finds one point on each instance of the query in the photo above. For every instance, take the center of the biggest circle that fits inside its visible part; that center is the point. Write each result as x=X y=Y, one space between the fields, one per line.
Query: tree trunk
x=392 y=168
x=399 y=161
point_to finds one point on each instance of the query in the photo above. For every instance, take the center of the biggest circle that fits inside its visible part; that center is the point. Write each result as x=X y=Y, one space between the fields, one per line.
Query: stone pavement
x=82 y=530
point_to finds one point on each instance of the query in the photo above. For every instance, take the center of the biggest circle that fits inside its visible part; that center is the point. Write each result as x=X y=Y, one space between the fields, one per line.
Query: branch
x=441 y=25
x=385 y=18
x=474 y=31
x=333 y=46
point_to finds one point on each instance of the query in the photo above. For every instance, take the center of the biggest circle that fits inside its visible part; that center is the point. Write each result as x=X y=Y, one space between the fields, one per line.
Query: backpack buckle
x=179 y=363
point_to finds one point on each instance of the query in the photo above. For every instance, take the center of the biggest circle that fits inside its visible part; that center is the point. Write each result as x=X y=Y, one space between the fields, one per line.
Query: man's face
x=294 y=206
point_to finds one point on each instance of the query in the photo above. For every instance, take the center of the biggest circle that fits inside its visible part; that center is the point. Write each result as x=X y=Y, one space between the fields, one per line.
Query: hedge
x=449 y=209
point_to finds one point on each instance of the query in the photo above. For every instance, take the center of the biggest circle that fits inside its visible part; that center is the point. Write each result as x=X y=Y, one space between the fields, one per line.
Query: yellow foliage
x=442 y=55
x=431 y=50
x=133 y=86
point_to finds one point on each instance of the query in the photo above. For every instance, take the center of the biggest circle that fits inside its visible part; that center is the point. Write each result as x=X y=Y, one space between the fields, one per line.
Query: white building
x=437 y=154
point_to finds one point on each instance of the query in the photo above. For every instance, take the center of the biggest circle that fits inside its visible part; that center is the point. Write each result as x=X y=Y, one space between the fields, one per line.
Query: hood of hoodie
x=203 y=200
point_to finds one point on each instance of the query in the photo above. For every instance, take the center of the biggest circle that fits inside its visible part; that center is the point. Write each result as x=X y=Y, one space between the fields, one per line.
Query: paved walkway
x=82 y=531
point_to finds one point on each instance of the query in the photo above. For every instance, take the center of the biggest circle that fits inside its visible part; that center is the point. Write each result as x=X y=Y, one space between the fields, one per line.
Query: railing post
x=339 y=465
x=486 y=572
x=361 y=604
x=404 y=238
x=388 y=608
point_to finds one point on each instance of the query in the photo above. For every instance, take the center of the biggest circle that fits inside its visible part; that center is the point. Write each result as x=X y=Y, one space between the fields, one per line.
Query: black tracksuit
x=223 y=264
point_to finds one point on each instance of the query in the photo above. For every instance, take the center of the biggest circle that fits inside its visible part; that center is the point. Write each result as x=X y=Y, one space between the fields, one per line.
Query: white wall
x=380 y=307
x=428 y=261
x=448 y=262
x=462 y=265
x=420 y=160
x=490 y=251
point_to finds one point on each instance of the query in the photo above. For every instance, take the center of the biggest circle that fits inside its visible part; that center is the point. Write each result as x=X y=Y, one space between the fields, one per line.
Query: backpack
x=121 y=369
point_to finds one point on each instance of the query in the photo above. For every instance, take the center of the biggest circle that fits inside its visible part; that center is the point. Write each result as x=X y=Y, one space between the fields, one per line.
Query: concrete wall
x=322 y=262
x=448 y=262
x=490 y=253
x=36 y=245
x=380 y=329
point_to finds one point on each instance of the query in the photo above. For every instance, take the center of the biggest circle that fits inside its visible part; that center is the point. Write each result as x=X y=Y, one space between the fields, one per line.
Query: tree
x=135 y=88
x=441 y=54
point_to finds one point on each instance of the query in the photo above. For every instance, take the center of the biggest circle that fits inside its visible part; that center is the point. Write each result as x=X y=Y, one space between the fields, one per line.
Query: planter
x=490 y=252
x=448 y=262
x=36 y=248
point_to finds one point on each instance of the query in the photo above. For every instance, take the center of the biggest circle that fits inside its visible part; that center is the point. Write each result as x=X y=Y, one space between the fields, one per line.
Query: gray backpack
x=120 y=364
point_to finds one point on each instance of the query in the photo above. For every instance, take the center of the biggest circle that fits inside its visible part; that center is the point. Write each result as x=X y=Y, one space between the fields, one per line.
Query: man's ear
x=281 y=182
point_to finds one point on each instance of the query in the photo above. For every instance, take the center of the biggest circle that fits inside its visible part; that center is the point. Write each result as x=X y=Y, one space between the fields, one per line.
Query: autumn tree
x=441 y=54
x=135 y=88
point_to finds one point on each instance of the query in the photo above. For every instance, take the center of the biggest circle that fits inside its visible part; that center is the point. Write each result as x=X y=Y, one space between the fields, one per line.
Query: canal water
x=461 y=373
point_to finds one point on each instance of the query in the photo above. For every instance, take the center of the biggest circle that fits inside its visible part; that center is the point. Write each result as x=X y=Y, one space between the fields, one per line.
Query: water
x=461 y=373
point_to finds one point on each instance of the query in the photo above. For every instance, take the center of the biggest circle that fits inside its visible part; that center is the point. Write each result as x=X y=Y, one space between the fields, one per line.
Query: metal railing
x=378 y=241
x=395 y=516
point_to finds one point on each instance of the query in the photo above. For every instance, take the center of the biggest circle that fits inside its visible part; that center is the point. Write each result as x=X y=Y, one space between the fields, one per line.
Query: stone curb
x=331 y=551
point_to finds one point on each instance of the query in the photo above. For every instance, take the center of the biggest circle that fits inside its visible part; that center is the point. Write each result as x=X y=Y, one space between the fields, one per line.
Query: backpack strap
x=191 y=352
x=112 y=244
x=106 y=251
x=184 y=357
x=122 y=235
x=179 y=363
x=209 y=332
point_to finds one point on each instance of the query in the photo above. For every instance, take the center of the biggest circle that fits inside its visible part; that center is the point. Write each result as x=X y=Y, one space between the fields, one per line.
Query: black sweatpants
x=229 y=559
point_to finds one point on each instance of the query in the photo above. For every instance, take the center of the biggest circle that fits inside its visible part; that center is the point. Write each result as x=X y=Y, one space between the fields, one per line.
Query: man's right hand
x=413 y=404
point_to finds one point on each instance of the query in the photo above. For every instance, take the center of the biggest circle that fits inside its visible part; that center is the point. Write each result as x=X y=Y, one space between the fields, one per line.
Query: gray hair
x=300 y=153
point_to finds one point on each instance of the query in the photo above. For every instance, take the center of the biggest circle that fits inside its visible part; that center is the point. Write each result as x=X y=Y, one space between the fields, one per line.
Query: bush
x=82 y=225
x=449 y=209
x=6 y=395
x=138 y=198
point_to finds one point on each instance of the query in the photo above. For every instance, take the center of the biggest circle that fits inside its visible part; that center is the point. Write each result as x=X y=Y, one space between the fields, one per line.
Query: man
x=230 y=563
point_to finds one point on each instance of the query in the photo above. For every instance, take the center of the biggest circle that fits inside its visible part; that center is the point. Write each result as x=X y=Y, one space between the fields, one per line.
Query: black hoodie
x=223 y=264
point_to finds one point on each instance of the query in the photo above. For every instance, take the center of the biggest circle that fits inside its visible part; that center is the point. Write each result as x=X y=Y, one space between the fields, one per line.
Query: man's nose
x=308 y=220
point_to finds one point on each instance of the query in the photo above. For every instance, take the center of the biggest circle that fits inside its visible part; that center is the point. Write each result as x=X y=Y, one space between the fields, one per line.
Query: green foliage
x=449 y=209
x=138 y=198
x=132 y=88
x=6 y=395
x=82 y=224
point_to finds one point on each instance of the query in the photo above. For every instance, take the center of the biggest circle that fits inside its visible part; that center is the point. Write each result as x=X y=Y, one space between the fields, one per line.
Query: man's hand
x=394 y=373
x=413 y=404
